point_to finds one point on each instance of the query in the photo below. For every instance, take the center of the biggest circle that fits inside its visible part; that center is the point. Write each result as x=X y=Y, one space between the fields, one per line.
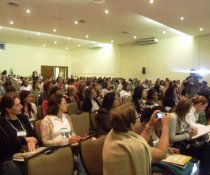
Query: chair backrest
x=81 y=123
x=94 y=122
x=72 y=108
x=38 y=131
x=54 y=161
x=91 y=155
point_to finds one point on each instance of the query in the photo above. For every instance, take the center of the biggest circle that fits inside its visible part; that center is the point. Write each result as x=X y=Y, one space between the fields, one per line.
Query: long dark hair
x=23 y=95
x=53 y=104
x=108 y=100
x=137 y=94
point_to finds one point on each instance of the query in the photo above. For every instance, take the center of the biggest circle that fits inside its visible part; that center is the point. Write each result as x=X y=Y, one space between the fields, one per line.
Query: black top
x=103 y=122
x=87 y=105
x=10 y=143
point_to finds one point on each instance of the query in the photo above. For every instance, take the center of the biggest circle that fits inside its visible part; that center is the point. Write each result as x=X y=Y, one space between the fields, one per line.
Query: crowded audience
x=126 y=112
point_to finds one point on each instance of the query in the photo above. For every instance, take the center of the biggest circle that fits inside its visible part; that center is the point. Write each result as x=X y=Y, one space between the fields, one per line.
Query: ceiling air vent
x=95 y=46
x=2 y=46
x=99 y=1
x=82 y=21
x=13 y=4
x=145 y=41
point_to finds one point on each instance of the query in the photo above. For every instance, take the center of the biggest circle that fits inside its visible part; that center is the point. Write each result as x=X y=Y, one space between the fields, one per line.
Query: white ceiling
x=137 y=17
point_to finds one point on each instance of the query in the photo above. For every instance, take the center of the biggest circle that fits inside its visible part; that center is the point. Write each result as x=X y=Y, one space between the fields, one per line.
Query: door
x=47 y=71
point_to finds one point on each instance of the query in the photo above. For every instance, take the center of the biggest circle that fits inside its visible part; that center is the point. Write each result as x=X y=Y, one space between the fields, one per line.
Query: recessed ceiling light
x=78 y=45
x=86 y=36
x=164 y=32
x=151 y=1
x=69 y=38
x=201 y=29
x=112 y=41
x=134 y=37
x=106 y=11
x=44 y=45
x=75 y=22
x=181 y=18
x=28 y=11
x=38 y=33
x=55 y=42
x=54 y=30
x=66 y=48
x=11 y=22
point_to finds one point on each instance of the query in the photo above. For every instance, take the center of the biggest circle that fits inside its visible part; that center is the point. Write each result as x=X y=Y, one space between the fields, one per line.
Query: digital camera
x=160 y=115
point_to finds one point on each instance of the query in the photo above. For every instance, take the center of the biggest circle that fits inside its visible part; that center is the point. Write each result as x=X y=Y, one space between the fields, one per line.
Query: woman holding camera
x=126 y=152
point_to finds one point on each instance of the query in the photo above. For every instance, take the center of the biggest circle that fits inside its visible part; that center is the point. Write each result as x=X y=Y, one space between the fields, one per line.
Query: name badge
x=65 y=133
x=21 y=133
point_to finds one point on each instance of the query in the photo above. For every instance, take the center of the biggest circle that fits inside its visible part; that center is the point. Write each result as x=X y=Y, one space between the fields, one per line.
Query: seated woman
x=15 y=132
x=139 y=98
x=169 y=99
x=180 y=133
x=153 y=98
x=124 y=93
x=29 y=109
x=90 y=104
x=128 y=153
x=199 y=104
x=110 y=101
x=25 y=85
x=71 y=94
x=56 y=127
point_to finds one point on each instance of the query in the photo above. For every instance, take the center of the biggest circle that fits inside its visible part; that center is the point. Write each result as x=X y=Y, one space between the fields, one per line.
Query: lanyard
x=13 y=126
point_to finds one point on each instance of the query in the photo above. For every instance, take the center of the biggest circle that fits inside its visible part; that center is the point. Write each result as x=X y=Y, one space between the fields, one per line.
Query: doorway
x=54 y=71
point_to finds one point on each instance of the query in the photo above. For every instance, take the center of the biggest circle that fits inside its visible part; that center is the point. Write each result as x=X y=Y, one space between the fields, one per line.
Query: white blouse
x=61 y=128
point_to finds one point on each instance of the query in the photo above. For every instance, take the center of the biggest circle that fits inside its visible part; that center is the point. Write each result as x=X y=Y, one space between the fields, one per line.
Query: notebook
x=178 y=160
x=202 y=131
x=20 y=156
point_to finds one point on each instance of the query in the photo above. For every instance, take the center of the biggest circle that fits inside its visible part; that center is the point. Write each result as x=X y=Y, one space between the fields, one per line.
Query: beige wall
x=96 y=62
x=162 y=59
x=127 y=61
x=25 y=59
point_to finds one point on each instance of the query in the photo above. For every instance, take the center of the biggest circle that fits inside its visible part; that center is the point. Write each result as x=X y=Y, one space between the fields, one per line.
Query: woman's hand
x=153 y=119
x=31 y=139
x=193 y=132
x=74 y=139
x=172 y=150
x=31 y=143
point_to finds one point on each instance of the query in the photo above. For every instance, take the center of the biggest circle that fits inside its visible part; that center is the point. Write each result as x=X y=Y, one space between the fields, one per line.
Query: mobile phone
x=159 y=115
